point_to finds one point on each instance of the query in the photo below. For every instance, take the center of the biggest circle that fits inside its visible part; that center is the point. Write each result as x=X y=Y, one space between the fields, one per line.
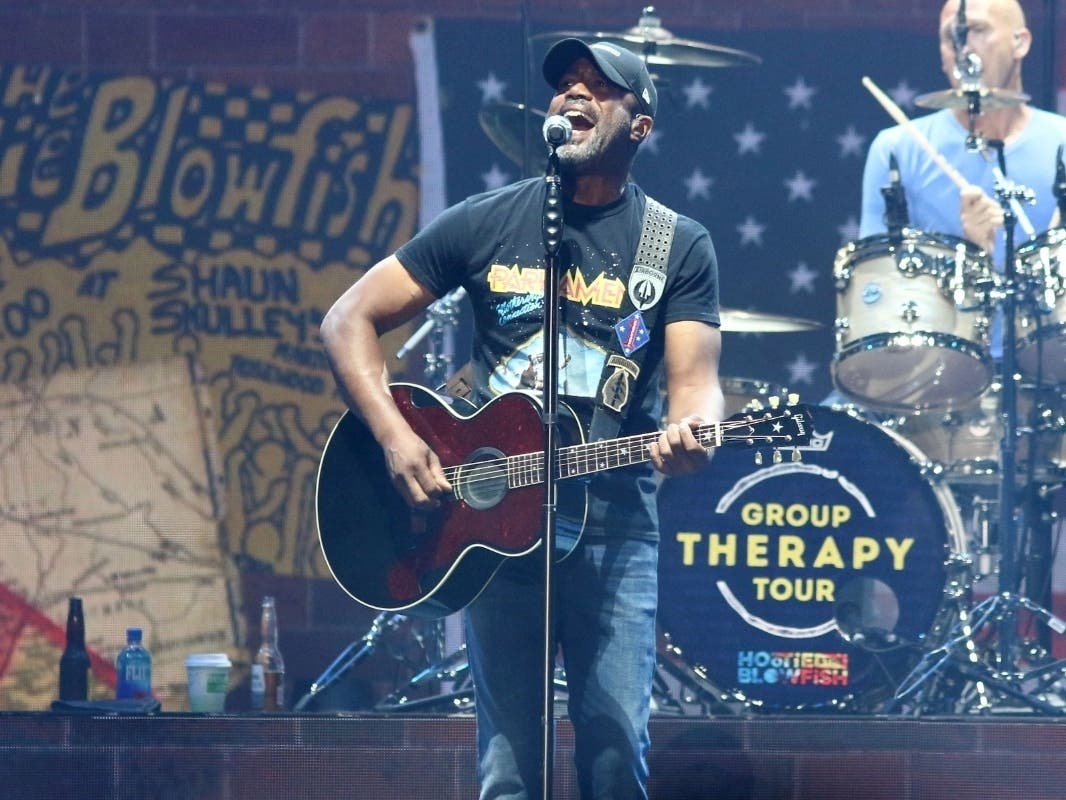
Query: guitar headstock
x=782 y=424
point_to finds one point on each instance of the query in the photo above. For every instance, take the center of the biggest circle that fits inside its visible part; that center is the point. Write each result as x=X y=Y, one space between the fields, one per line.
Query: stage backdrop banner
x=167 y=251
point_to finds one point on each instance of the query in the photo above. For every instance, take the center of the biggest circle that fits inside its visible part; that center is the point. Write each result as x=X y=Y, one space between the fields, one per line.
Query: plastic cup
x=208 y=681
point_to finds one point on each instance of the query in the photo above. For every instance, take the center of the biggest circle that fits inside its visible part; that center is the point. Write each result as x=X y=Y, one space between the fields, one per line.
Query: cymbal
x=987 y=99
x=736 y=321
x=659 y=47
x=504 y=122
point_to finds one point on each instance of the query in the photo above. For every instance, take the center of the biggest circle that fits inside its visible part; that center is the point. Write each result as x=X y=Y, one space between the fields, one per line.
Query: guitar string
x=497 y=468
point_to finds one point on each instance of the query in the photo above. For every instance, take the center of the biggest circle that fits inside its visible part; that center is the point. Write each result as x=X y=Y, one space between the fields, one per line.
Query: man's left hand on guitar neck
x=677 y=451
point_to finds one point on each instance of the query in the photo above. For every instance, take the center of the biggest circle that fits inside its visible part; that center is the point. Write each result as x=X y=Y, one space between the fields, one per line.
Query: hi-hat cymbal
x=985 y=99
x=736 y=321
x=659 y=47
x=512 y=129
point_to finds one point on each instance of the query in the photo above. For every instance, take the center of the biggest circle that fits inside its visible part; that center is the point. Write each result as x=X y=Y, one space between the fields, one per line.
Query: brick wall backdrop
x=360 y=46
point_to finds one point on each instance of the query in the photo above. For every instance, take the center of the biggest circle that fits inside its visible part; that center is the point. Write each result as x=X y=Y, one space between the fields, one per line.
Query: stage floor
x=374 y=757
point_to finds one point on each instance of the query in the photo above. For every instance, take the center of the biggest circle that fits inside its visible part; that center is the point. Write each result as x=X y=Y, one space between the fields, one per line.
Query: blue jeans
x=605 y=625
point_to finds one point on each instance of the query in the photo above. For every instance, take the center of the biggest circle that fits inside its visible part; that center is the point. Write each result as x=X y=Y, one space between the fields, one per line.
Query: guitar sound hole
x=482 y=480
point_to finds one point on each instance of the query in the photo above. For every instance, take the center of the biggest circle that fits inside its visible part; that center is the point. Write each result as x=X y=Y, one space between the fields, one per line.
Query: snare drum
x=912 y=325
x=1041 y=347
x=763 y=569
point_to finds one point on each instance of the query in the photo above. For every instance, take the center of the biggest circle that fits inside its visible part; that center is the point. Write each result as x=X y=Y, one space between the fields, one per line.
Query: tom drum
x=912 y=325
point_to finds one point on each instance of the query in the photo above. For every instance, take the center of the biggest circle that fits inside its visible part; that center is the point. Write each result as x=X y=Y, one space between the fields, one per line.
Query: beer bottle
x=74 y=663
x=268 y=668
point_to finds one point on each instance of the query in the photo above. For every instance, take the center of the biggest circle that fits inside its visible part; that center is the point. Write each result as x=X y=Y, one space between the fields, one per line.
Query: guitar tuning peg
x=775 y=401
x=758 y=458
x=796 y=454
x=755 y=405
x=777 y=456
x=793 y=399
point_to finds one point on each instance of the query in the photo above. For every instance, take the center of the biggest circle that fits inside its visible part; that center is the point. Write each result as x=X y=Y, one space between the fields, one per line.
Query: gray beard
x=598 y=151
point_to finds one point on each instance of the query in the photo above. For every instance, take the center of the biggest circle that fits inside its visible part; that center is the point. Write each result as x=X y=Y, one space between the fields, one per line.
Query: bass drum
x=771 y=577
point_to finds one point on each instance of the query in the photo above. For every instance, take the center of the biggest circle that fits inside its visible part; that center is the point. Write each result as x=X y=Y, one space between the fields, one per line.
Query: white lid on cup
x=208 y=660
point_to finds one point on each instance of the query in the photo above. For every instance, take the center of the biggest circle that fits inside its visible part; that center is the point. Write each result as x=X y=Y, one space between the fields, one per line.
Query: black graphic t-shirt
x=492 y=245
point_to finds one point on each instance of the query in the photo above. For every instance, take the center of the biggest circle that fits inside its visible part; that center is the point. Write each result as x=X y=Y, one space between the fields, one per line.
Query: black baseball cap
x=622 y=67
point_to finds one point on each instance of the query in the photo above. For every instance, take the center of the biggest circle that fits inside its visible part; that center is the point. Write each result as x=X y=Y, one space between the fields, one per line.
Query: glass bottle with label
x=74 y=663
x=268 y=667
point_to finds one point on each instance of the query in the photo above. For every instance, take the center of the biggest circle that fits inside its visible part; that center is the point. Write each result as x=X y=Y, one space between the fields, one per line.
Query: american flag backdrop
x=769 y=158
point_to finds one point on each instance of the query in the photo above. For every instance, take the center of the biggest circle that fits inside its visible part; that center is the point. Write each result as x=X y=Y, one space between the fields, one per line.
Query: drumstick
x=897 y=114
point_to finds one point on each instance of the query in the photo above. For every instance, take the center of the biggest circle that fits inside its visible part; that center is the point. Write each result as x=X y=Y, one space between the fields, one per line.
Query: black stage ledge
x=50 y=756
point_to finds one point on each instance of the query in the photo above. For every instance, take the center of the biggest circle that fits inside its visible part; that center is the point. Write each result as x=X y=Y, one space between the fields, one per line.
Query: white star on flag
x=849 y=231
x=495 y=178
x=750 y=231
x=802 y=278
x=491 y=89
x=697 y=93
x=851 y=143
x=800 y=94
x=800 y=187
x=903 y=94
x=749 y=140
x=800 y=370
x=698 y=184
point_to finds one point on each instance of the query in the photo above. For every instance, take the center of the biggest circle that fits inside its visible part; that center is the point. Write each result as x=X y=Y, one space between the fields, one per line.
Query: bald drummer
x=996 y=33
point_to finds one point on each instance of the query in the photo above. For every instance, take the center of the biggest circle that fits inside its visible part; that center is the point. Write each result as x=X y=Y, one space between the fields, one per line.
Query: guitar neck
x=788 y=427
x=578 y=460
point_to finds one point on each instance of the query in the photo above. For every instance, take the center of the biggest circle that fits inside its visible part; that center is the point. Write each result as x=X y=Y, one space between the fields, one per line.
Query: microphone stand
x=552 y=229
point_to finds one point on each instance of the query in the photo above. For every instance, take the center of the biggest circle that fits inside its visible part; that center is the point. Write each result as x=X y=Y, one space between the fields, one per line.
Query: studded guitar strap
x=647 y=284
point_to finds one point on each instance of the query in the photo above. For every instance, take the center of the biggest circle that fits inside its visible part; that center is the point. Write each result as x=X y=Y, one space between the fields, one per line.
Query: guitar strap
x=647 y=284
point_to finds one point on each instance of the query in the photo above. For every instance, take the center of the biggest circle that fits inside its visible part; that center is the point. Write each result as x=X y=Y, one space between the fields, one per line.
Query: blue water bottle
x=134 y=666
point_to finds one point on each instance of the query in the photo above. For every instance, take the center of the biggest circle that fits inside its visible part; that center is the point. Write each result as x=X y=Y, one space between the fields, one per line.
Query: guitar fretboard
x=527 y=469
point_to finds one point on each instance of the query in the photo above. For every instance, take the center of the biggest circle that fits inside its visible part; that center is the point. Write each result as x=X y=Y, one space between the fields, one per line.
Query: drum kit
x=921 y=483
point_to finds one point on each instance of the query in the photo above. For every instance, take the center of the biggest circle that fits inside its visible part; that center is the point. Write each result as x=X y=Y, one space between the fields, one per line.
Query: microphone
x=557 y=131
x=896 y=215
x=968 y=65
x=960 y=31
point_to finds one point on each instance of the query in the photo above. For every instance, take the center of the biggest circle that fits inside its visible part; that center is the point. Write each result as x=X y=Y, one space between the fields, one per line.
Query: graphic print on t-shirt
x=581 y=352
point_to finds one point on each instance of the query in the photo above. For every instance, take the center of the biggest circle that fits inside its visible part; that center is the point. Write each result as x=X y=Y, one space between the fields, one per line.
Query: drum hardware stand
x=353 y=654
x=960 y=658
x=684 y=689
x=452 y=670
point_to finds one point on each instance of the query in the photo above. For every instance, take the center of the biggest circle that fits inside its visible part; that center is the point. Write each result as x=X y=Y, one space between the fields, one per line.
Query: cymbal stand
x=442 y=317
